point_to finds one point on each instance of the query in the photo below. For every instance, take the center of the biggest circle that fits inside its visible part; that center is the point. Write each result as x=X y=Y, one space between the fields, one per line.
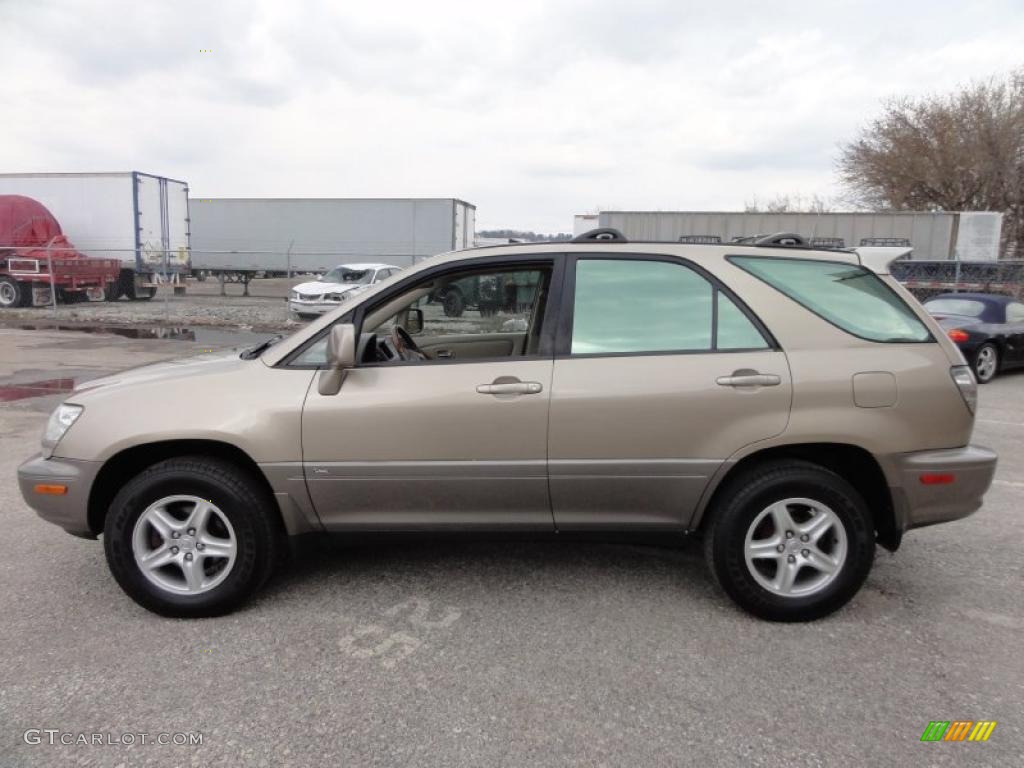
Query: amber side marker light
x=957 y=335
x=51 y=490
x=937 y=478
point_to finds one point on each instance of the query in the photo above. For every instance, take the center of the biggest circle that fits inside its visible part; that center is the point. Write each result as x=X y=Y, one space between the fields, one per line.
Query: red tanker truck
x=37 y=260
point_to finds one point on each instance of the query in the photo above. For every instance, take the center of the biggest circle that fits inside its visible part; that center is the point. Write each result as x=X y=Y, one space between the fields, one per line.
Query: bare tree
x=958 y=152
x=795 y=203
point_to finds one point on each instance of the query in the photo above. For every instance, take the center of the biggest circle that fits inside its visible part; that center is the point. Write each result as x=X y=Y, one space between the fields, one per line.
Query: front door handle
x=748 y=378
x=511 y=388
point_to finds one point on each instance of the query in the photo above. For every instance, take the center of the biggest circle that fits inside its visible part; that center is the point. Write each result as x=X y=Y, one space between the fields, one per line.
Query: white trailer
x=139 y=218
x=935 y=236
x=237 y=238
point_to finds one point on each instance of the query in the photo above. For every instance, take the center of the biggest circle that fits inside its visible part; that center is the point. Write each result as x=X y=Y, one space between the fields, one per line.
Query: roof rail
x=782 y=238
x=701 y=239
x=602 y=234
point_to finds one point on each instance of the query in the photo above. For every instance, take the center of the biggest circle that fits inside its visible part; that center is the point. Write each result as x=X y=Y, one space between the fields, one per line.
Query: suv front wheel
x=191 y=537
x=790 y=541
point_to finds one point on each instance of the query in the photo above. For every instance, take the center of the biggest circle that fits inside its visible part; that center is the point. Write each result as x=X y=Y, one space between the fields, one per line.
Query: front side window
x=634 y=306
x=472 y=314
x=846 y=295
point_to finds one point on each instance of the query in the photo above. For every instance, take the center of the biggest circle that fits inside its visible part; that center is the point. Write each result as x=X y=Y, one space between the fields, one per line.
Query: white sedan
x=341 y=283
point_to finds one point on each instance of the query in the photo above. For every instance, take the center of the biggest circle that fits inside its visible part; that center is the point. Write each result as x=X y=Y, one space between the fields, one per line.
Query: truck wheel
x=790 y=541
x=453 y=304
x=191 y=537
x=112 y=291
x=12 y=293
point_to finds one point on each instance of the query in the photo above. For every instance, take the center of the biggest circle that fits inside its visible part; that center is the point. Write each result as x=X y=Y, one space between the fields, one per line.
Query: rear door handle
x=749 y=379
x=511 y=388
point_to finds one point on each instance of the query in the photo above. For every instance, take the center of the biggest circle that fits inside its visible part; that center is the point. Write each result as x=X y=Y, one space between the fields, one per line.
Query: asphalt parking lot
x=502 y=653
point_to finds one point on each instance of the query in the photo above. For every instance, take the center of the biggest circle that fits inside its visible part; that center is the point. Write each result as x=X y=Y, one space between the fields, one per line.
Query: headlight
x=964 y=378
x=58 y=425
x=295 y=295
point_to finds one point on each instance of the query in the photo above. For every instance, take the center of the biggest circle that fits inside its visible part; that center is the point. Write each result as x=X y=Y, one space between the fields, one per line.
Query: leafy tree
x=962 y=151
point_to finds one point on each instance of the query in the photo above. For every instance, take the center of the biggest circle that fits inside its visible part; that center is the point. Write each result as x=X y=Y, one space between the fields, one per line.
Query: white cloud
x=533 y=110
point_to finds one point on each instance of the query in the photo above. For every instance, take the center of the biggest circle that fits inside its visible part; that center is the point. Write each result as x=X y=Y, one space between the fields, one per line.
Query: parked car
x=988 y=329
x=791 y=406
x=331 y=288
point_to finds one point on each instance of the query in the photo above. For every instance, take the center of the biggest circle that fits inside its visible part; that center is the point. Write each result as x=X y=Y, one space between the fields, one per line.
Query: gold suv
x=793 y=406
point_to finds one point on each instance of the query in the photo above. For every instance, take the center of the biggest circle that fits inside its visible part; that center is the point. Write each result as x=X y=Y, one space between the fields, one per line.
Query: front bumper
x=918 y=503
x=312 y=307
x=71 y=510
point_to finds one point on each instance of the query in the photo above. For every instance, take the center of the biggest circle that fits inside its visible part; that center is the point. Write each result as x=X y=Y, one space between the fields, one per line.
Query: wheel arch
x=851 y=462
x=129 y=462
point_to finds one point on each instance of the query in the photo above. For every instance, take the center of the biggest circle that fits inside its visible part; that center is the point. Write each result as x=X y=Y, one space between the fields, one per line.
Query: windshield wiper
x=259 y=349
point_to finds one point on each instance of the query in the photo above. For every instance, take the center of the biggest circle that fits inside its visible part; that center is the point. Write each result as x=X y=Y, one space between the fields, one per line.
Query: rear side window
x=848 y=296
x=636 y=306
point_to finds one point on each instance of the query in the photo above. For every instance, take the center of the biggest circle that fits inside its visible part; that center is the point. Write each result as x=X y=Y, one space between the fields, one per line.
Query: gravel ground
x=504 y=653
x=263 y=310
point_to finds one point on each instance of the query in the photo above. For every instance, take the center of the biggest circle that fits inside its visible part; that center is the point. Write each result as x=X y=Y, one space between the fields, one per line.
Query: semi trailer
x=139 y=219
x=238 y=238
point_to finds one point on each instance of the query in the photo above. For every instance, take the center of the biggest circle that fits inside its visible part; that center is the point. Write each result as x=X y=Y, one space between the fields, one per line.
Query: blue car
x=988 y=328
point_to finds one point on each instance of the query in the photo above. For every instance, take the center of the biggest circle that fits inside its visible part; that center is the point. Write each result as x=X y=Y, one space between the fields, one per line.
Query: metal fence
x=926 y=278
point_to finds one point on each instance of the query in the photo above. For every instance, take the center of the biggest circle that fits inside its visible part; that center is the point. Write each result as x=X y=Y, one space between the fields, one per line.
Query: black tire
x=252 y=515
x=454 y=304
x=981 y=362
x=112 y=291
x=745 y=497
x=14 y=294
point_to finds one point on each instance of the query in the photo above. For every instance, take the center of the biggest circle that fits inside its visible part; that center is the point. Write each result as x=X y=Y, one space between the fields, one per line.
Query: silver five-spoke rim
x=795 y=547
x=184 y=544
x=986 y=366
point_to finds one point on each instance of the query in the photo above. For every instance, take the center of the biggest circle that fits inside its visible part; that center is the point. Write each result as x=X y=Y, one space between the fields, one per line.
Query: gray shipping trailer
x=934 y=236
x=281 y=235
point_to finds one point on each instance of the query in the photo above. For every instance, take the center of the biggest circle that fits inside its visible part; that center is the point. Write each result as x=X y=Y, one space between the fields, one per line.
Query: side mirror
x=413 y=321
x=341 y=358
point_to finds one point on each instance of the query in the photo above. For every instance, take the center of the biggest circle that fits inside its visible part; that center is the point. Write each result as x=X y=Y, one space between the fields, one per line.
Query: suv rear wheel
x=191 y=537
x=790 y=541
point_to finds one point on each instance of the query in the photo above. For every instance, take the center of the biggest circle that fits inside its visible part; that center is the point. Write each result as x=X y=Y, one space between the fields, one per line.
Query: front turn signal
x=51 y=489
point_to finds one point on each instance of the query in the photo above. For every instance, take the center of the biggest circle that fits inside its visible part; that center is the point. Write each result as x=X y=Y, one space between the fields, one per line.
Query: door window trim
x=563 y=340
x=554 y=260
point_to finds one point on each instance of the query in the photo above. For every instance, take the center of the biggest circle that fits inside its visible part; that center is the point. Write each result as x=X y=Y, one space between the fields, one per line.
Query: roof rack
x=890 y=242
x=828 y=242
x=700 y=239
x=603 y=235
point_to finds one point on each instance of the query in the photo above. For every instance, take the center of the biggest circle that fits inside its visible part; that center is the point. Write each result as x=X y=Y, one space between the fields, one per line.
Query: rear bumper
x=918 y=504
x=71 y=510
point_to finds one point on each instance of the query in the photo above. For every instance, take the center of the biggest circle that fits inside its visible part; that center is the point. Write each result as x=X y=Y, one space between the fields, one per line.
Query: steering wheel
x=405 y=345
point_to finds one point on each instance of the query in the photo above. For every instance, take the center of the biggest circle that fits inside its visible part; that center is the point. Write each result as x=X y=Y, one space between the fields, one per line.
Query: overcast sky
x=531 y=110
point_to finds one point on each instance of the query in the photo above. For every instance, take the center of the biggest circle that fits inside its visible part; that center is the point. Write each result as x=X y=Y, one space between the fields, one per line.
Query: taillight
x=968 y=387
x=957 y=335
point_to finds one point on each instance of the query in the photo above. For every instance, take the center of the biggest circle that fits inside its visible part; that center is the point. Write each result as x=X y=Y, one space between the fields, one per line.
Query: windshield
x=962 y=307
x=346 y=275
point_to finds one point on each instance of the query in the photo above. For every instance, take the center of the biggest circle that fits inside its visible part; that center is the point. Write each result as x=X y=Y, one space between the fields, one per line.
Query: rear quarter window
x=847 y=295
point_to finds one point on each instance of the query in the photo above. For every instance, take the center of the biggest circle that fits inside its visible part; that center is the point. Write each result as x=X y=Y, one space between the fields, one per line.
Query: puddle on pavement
x=220 y=337
x=29 y=389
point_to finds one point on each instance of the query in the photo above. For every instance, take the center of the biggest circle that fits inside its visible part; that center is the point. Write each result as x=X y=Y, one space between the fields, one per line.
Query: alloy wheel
x=184 y=544
x=795 y=547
